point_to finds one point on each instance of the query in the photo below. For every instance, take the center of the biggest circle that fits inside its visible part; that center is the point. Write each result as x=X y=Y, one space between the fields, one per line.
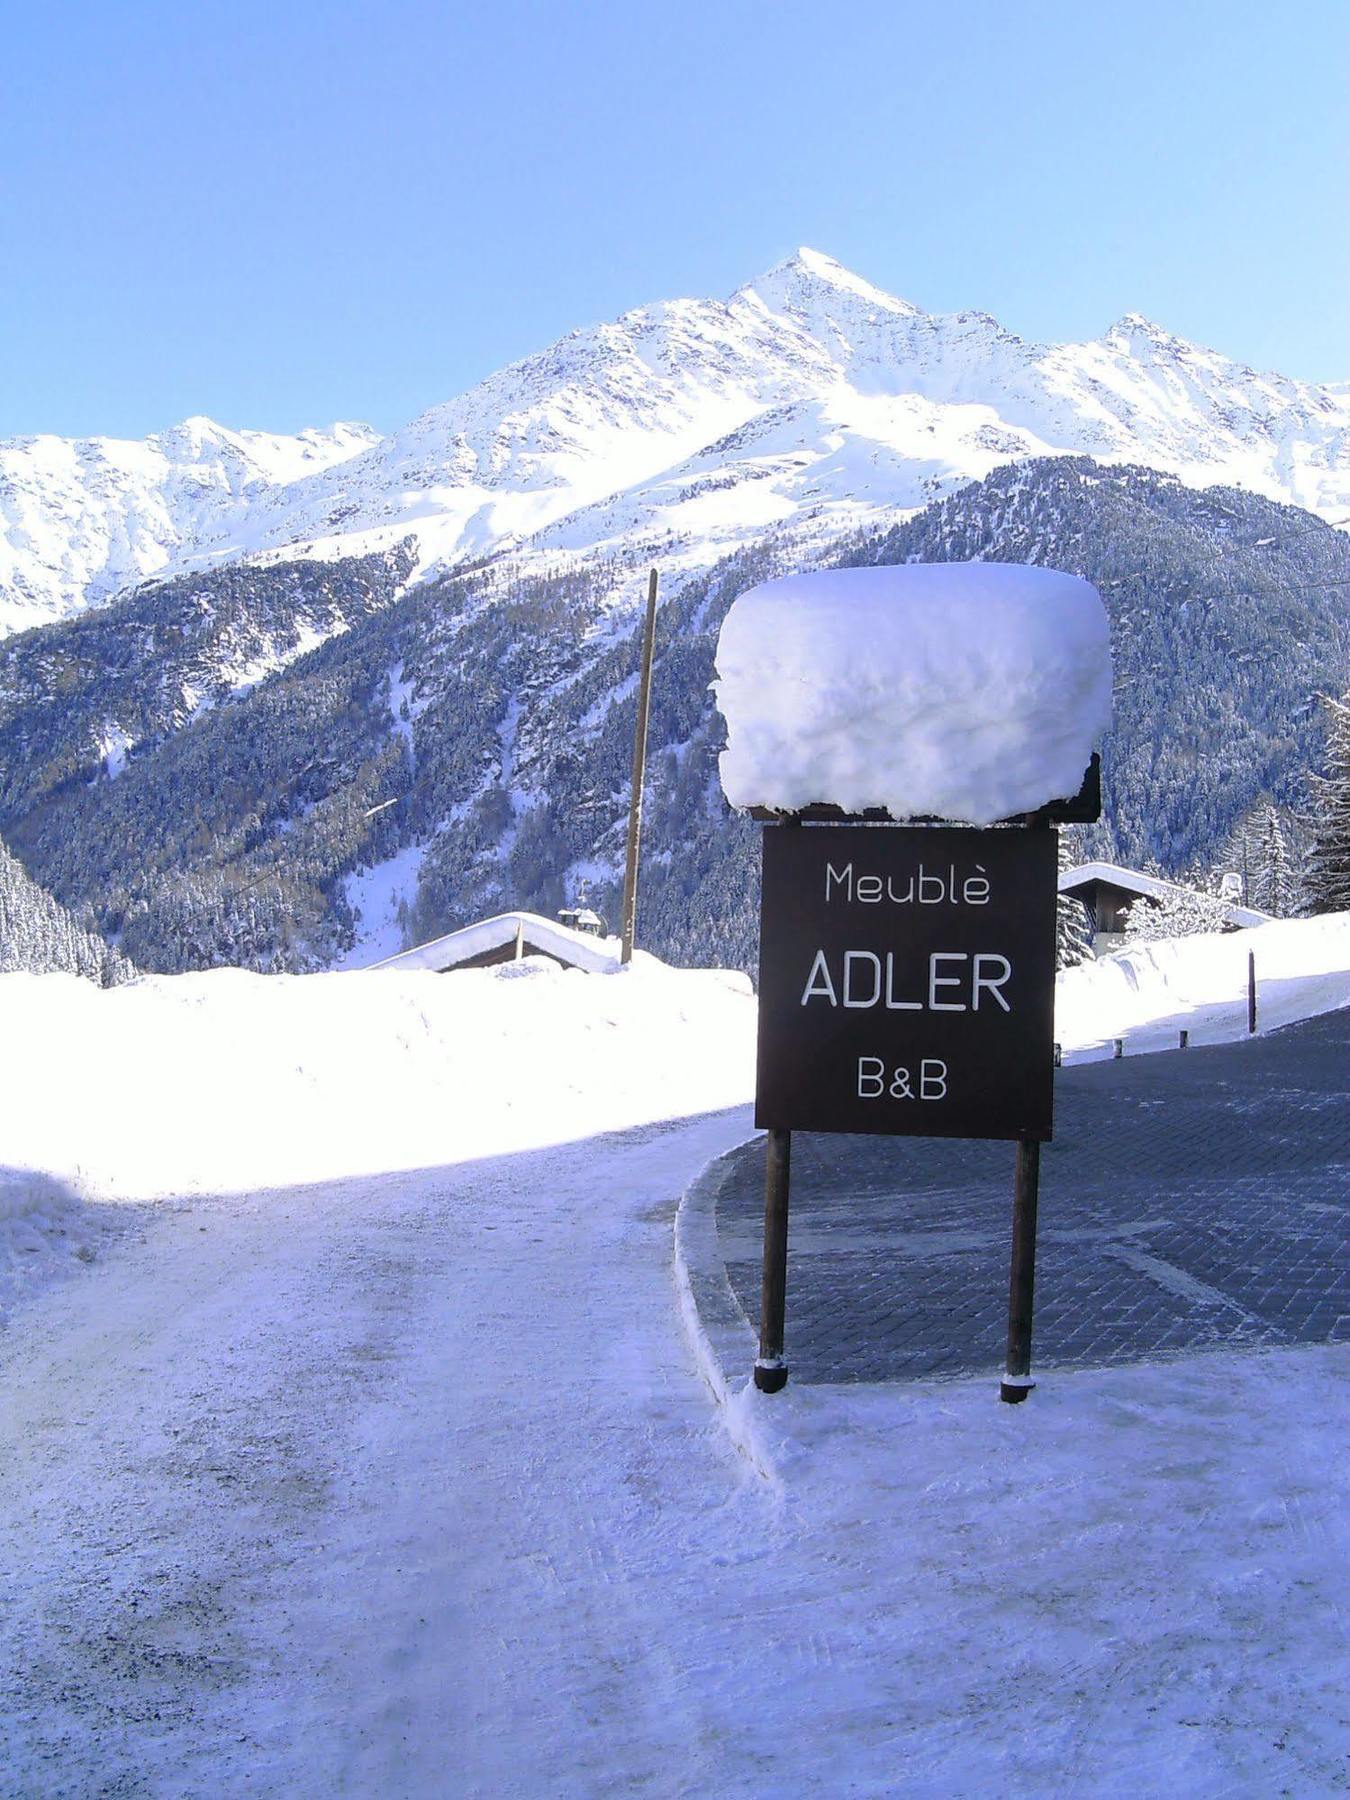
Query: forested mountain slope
x=1228 y=616
x=464 y=745
x=102 y=690
x=39 y=936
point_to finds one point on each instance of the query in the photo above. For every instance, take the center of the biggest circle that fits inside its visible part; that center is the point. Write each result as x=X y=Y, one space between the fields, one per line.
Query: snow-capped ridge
x=655 y=426
x=1133 y=329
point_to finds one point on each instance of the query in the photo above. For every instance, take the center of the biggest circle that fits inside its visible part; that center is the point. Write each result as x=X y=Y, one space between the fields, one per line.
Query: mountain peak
x=1134 y=328
x=816 y=262
x=809 y=272
x=808 y=395
x=195 y=429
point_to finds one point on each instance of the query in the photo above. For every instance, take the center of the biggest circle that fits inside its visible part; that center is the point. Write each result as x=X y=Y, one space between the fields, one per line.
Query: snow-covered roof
x=1153 y=886
x=578 y=949
x=967 y=691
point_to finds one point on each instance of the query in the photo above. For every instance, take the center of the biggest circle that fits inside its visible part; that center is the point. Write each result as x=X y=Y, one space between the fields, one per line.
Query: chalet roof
x=578 y=949
x=1134 y=881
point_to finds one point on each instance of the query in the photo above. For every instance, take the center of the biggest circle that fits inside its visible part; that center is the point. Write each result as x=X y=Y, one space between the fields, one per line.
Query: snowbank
x=966 y=691
x=229 y=1081
x=1149 y=993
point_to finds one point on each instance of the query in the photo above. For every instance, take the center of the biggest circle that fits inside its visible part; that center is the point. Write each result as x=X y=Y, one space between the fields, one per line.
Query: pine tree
x=1241 y=855
x=1328 y=873
x=1073 y=929
x=1273 y=889
x=1265 y=851
x=1181 y=912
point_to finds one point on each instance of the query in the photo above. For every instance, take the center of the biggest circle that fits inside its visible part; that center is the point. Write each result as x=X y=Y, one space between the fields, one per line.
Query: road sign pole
x=1017 y=1382
x=770 y=1369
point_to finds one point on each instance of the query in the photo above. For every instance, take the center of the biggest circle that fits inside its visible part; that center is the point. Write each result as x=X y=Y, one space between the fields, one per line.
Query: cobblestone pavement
x=1194 y=1198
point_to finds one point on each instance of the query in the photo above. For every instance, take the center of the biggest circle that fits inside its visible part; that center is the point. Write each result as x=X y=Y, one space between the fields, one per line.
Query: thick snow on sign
x=966 y=691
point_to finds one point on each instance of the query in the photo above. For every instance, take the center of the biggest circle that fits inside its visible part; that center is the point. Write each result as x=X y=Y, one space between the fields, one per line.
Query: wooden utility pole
x=630 y=876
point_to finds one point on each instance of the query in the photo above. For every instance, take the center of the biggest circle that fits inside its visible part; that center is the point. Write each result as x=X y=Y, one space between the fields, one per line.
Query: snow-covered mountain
x=302 y=763
x=808 y=401
x=83 y=518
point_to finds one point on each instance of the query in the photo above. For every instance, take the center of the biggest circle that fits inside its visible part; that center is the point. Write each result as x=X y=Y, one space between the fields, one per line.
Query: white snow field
x=966 y=691
x=380 y=1464
x=272 y=1080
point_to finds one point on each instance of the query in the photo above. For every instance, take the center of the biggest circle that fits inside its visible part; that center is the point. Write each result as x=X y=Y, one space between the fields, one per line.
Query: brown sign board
x=906 y=980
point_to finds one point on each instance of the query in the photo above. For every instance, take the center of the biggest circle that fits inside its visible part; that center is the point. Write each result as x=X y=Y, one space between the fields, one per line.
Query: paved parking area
x=1193 y=1198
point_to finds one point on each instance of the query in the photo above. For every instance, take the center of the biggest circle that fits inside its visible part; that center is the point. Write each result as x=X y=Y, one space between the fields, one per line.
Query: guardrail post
x=1251 y=990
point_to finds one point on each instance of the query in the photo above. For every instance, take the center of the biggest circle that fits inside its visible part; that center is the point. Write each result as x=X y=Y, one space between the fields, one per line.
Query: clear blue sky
x=285 y=213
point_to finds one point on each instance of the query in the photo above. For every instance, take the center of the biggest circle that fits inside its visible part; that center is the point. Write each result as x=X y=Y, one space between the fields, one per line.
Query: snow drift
x=964 y=691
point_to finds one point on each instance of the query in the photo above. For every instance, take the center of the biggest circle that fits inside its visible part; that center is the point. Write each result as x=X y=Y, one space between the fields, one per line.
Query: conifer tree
x=1328 y=872
x=1260 y=853
x=1180 y=912
x=1273 y=889
x=38 y=935
x=1073 y=929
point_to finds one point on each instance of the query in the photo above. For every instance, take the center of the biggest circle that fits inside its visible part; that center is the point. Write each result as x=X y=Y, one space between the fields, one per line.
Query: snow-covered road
x=407 y=1485
x=381 y=1488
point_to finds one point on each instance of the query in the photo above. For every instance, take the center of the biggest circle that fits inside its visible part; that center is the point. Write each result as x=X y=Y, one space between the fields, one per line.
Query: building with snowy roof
x=1109 y=891
x=509 y=937
x=584 y=919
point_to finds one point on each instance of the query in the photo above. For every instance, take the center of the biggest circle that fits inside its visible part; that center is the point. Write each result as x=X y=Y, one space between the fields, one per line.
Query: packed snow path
x=378 y=1488
x=1187 y=1200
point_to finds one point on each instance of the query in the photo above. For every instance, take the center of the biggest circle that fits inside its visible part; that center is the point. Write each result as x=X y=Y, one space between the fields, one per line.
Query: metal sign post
x=906 y=987
x=770 y=1368
x=1017 y=1383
